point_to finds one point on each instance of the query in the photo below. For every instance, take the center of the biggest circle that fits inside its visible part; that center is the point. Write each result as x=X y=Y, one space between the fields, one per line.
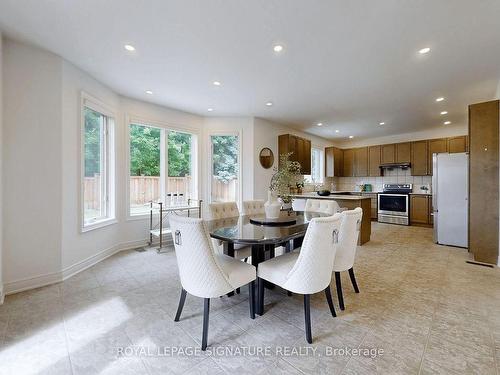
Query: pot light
x=337 y=131
x=278 y=48
x=269 y=104
x=381 y=123
x=210 y=109
x=319 y=124
x=444 y=113
x=351 y=137
x=149 y=92
x=425 y=50
x=440 y=99
x=129 y=47
x=447 y=122
x=216 y=83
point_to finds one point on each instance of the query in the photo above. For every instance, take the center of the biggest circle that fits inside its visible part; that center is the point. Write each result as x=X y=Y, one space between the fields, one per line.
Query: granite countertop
x=331 y=196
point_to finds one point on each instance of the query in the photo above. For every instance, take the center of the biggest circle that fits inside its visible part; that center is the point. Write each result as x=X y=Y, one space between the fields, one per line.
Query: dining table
x=261 y=233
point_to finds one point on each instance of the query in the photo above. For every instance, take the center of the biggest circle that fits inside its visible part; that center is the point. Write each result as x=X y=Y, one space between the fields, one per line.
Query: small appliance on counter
x=394 y=204
x=422 y=189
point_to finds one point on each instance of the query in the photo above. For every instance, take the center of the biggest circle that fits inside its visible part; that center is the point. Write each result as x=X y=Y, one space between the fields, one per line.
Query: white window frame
x=107 y=159
x=309 y=178
x=240 y=161
x=165 y=127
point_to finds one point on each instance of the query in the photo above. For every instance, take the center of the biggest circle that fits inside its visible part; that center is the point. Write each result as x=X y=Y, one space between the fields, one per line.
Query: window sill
x=98 y=224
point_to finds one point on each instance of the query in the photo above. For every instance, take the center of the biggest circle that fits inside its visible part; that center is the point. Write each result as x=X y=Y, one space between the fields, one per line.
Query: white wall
x=1 y=142
x=32 y=162
x=266 y=135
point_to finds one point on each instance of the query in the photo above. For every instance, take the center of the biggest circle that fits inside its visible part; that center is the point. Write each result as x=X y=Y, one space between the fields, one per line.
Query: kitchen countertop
x=420 y=193
x=331 y=196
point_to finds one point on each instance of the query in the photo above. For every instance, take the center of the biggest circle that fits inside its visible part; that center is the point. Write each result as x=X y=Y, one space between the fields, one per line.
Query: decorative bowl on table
x=323 y=193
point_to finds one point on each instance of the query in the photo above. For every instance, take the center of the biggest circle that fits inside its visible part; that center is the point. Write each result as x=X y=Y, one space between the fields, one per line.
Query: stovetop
x=398 y=188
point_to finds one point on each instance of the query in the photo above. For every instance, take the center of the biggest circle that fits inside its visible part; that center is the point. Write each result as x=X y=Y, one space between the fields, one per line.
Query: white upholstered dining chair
x=324 y=206
x=253 y=207
x=203 y=272
x=308 y=271
x=346 y=251
x=224 y=210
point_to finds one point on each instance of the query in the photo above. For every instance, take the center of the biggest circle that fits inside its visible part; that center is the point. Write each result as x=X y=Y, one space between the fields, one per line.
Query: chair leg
x=339 y=290
x=260 y=304
x=251 y=298
x=328 y=294
x=206 y=310
x=307 y=315
x=353 y=280
x=181 y=305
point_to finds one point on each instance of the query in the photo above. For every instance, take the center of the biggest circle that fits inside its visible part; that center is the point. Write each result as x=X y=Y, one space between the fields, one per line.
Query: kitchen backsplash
x=394 y=176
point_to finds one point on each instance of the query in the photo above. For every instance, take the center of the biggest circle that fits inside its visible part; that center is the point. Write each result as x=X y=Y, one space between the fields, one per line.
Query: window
x=97 y=166
x=225 y=168
x=161 y=167
x=317 y=167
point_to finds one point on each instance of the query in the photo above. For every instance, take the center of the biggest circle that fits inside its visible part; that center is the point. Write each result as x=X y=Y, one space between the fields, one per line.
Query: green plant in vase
x=286 y=175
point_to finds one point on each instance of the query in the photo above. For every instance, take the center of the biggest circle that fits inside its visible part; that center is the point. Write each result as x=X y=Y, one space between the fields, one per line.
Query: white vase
x=272 y=206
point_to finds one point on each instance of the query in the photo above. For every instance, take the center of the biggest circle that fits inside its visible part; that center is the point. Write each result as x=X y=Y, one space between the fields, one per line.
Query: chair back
x=348 y=239
x=324 y=206
x=199 y=271
x=255 y=207
x=299 y=204
x=222 y=210
x=312 y=272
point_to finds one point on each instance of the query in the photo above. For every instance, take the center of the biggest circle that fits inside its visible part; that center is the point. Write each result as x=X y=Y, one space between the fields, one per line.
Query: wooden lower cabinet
x=373 y=204
x=420 y=209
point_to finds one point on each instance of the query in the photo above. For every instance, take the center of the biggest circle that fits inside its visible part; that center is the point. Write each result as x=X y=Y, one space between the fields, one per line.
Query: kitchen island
x=350 y=202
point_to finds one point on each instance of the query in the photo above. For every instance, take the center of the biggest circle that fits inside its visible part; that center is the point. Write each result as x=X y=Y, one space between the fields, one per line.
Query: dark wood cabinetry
x=457 y=144
x=388 y=154
x=361 y=162
x=436 y=146
x=403 y=152
x=348 y=167
x=374 y=161
x=420 y=210
x=419 y=155
x=483 y=181
x=334 y=162
x=300 y=147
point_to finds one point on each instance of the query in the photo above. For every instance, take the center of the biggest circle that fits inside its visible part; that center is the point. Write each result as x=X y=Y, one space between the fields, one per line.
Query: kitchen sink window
x=317 y=167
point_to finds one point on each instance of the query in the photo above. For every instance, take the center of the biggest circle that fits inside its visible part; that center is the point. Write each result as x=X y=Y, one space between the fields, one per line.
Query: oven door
x=393 y=204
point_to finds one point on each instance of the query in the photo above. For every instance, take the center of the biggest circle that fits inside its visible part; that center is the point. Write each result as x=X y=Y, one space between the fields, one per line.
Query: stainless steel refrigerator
x=449 y=198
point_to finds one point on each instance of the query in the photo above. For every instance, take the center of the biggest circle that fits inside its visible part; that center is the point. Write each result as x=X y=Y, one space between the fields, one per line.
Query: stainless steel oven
x=394 y=204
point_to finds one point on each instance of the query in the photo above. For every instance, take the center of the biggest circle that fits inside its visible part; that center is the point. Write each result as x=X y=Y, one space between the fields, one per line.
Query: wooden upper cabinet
x=334 y=162
x=388 y=154
x=361 y=162
x=374 y=161
x=403 y=152
x=436 y=146
x=348 y=163
x=457 y=144
x=419 y=158
x=300 y=147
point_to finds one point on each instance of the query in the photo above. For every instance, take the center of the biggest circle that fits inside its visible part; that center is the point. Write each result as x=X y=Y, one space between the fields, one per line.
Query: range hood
x=395 y=165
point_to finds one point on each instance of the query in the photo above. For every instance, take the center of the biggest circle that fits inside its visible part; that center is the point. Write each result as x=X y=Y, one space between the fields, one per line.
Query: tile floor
x=429 y=311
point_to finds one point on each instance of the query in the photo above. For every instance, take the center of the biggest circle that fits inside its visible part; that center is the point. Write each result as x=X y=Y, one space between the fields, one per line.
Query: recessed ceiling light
x=337 y=131
x=319 y=124
x=210 y=109
x=425 y=50
x=269 y=104
x=216 y=83
x=444 y=112
x=149 y=92
x=351 y=136
x=381 y=123
x=440 y=99
x=129 y=47
x=447 y=122
x=278 y=48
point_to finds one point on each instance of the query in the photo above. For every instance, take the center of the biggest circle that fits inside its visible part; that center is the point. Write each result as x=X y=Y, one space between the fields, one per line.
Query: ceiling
x=347 y=64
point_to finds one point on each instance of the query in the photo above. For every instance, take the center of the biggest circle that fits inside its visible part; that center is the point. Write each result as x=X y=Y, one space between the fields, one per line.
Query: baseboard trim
x=22 y=285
